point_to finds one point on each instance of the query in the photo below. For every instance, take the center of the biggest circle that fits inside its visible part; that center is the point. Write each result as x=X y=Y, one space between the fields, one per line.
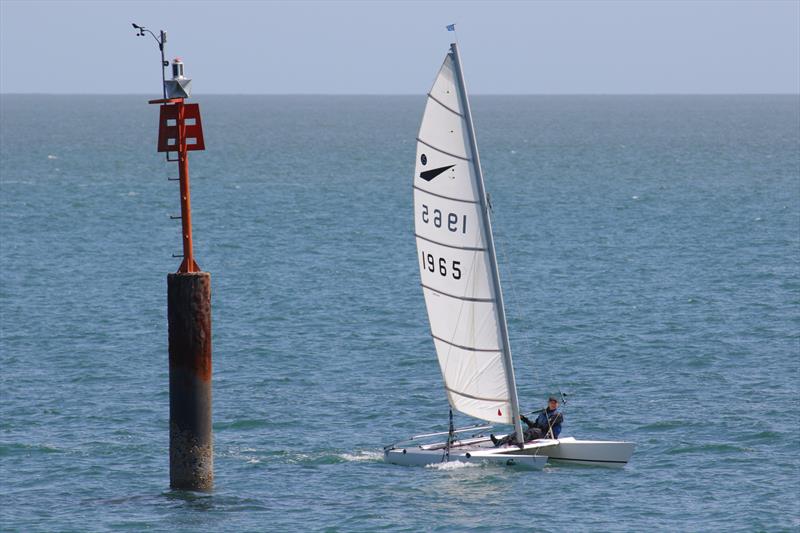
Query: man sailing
x=547 y=425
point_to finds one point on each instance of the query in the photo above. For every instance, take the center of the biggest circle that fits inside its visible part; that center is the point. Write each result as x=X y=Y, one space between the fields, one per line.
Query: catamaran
x=461 y=286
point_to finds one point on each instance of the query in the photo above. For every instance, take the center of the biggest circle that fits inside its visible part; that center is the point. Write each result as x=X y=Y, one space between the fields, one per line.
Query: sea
x=649 y=251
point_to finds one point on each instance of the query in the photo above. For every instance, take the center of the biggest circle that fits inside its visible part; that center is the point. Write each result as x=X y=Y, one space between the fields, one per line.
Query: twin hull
x=534 y=454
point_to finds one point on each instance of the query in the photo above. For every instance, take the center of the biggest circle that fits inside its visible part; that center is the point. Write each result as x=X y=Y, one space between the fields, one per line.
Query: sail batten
x=444 y=105
x=456 y=257
x=463 y=298
x=467 y=348
x=445 y=152
x=465 y=395
x=469 y=248
x=446 y=197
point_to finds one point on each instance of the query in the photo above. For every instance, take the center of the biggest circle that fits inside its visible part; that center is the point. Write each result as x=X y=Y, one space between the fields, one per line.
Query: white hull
x=612 y=454
x=475 y=451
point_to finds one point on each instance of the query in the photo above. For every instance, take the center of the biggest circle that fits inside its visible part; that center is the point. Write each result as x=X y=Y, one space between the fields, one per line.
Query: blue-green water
x=650 y=252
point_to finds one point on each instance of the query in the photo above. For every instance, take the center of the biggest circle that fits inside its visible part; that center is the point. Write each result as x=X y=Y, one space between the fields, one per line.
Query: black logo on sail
x=428 y=175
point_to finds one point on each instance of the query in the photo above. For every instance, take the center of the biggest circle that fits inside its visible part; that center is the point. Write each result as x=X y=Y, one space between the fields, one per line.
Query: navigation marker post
x=191 y=447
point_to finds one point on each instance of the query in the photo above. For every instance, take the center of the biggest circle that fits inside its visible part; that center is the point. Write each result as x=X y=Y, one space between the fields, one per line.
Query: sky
x=332 y=47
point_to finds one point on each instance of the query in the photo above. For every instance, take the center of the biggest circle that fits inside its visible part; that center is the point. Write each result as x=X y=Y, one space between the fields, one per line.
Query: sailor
x=547 y=425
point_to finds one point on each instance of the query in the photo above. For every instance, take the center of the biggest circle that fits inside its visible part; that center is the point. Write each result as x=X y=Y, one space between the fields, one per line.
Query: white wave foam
x=240 y=454
x=362 y=456
x=452 y=465
x=51 y=156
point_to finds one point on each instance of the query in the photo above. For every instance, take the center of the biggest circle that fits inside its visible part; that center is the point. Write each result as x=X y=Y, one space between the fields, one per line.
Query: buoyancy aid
x=548 y=418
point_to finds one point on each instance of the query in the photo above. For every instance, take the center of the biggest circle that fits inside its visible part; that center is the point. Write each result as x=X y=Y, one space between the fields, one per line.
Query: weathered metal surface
x=191 y=441
x=174 y=136
x=188 y=264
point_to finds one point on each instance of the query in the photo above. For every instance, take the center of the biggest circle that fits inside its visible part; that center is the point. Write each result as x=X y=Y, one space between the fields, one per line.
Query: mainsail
x=457 y=259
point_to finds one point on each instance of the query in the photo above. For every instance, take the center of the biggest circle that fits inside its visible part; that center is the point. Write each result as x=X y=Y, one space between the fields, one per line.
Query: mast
x=487 y=229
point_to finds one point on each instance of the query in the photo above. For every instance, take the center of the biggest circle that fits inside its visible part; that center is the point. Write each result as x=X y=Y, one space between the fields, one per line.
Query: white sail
x=456 y=257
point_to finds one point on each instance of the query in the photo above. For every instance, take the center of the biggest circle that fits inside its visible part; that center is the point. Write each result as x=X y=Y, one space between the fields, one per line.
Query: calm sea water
x=650 y=253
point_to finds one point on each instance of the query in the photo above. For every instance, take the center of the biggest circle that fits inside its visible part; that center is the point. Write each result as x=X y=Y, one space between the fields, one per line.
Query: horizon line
x=148 y=95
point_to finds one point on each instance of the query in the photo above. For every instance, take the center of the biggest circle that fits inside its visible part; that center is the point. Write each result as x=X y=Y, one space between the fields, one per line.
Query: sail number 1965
x=441 y=265
x=453 y=222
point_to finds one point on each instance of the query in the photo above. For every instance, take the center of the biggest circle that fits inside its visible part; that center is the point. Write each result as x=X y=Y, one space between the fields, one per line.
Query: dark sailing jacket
x=547 y=419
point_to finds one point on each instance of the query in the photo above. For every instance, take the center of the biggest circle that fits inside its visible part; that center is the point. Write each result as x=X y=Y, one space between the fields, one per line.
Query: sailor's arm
x=527 y=421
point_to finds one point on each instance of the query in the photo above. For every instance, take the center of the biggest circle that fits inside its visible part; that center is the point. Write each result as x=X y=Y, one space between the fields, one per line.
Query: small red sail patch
x=499 y=413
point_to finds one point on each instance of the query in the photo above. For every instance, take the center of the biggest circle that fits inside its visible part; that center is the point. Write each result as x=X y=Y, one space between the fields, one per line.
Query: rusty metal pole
x=188 y=264
x=191 y=446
